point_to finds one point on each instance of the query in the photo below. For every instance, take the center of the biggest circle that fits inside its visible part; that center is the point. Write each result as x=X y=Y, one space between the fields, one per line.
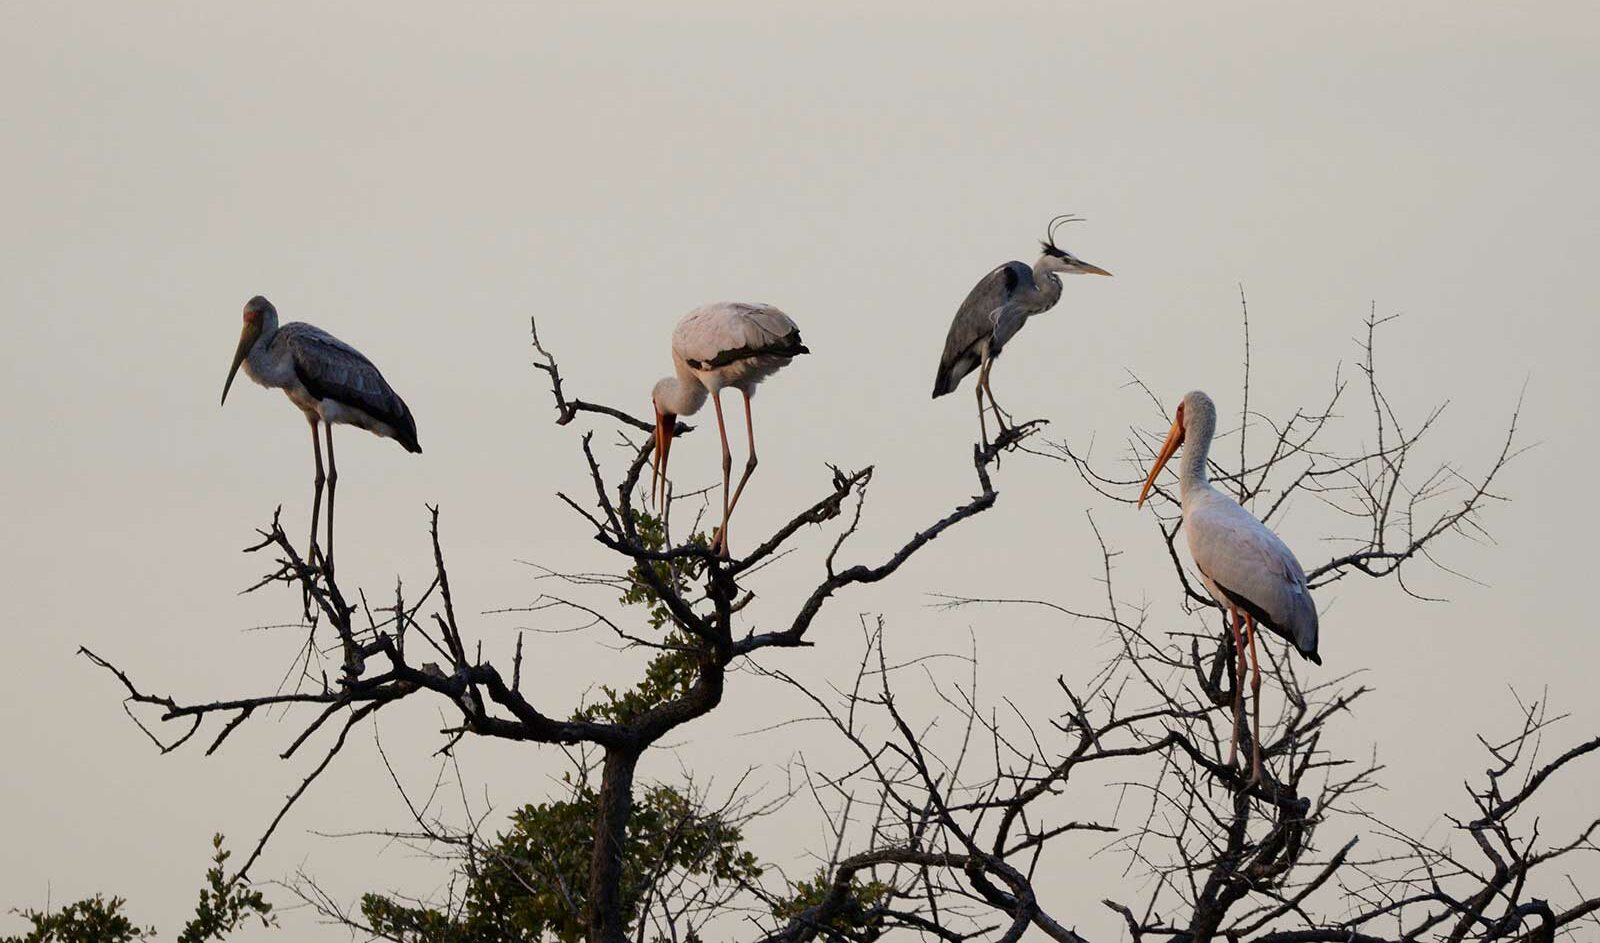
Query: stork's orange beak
x=1174 y=439
x=247 y=340
x=666 y=423
x=1089 y=268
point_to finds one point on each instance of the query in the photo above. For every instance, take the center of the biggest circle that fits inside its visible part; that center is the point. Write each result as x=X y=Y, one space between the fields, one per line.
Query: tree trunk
x=607 y=923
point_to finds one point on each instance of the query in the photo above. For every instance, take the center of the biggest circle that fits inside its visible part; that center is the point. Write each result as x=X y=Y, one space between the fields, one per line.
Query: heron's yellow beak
x=247 y=340
x=1174 y=439
x=1088 y=268
x=665 y=424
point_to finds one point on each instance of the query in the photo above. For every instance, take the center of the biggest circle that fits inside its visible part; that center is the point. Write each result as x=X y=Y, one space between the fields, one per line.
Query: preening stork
x=995 y=311
x=728 y=344
x=1242 y=563
x=330 y=381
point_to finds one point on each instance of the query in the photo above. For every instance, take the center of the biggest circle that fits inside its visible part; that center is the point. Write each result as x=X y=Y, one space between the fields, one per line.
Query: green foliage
x=669 y=675
x=679 y=574
x=672 y=672
x=91 y=920
x=222 y=909
x=859 y=917
x=223 y=906
x=532 y=884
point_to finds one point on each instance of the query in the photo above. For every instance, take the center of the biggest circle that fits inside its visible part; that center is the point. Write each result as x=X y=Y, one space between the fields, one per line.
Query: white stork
x=995 y=311
x=727 y=344
x=330 y=381
x=1242 y=563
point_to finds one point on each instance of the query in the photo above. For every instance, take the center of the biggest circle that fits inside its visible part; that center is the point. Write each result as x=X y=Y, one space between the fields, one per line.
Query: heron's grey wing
x=1249 y=562
x=1008 y=320
x=755 y=330
x=331 y=369
x=974 y=324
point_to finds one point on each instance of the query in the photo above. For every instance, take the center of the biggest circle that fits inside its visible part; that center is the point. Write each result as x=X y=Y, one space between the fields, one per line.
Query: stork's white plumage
x=727 y=344
x=330 y=381
x=1242 y=563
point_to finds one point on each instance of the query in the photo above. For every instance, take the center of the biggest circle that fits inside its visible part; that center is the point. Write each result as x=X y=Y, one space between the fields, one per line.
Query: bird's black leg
x=316 y=497
x=333 y=483
x=1255 y=705
x=720 y=539
x=749 y=465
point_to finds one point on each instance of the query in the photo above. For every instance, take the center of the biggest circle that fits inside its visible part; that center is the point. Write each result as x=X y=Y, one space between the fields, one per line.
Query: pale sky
x=419 y=179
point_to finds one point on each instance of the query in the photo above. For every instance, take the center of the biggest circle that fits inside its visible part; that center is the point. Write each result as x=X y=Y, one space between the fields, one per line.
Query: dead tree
x=959 y=824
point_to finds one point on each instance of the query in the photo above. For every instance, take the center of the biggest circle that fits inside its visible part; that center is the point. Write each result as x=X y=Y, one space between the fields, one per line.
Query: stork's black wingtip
x=1313 y=657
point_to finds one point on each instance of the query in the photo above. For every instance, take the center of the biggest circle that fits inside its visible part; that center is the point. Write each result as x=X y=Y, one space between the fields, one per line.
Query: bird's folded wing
x=331 y=369
x=1244 y=557
x=747 y=331
x=974 y=320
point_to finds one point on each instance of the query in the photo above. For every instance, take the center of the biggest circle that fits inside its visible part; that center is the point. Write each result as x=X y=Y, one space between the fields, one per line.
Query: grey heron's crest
x=1049 y=244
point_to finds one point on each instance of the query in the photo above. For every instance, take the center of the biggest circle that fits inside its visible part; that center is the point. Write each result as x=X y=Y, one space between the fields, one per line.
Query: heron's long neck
x=1192 y=475
x=1047 y=284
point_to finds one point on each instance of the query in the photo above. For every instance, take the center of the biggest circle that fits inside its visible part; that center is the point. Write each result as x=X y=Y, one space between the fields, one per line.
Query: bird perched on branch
x=330 y=381
x=727 y=344
x=995 y=311
x=1242 y=563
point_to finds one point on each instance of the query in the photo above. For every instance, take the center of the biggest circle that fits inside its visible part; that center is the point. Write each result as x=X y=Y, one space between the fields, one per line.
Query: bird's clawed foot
x=719 y=546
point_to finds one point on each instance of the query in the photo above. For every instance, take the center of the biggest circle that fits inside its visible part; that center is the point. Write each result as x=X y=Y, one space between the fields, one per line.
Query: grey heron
x=727 y=344
x=995 y=311
x=330 y=381
x=1242 y=563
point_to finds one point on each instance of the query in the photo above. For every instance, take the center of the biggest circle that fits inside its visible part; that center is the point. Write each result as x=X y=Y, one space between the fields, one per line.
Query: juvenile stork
x=727 y=344
x=995 y=311
x=330 y=381
x=1244 y=565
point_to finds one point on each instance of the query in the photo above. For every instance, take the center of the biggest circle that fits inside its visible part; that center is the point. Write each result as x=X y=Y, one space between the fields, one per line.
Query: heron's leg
x=333 y=483
x=750 y=465
x=721 y=538
x=1238 y=686
x=316 y=496
x=1001 y=417
x=983 y=429
x=1255 y=706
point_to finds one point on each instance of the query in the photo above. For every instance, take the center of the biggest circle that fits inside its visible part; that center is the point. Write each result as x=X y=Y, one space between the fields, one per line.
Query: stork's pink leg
x=1238 y=687
x=1255 y=706
x=720 y=540
x=750 y=465
x=316 y=496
